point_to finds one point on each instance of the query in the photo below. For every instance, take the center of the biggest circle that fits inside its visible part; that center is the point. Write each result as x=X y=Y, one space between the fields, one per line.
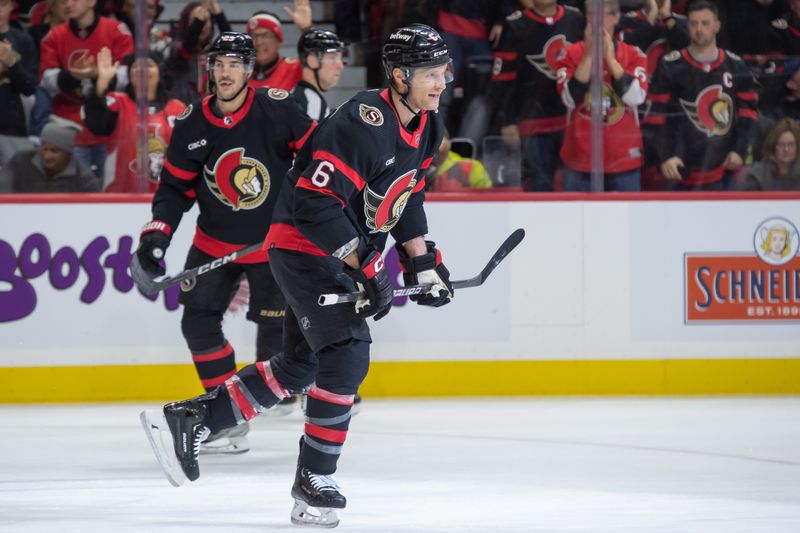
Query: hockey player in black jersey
x=357 y=180
x=229 y=153
x=321 y=53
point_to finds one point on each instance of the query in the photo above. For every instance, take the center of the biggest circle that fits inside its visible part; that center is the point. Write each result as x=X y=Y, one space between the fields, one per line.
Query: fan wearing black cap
x=357 y=180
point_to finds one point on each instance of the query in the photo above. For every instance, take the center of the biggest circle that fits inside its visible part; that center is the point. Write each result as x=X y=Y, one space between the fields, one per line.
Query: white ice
x=716 y=465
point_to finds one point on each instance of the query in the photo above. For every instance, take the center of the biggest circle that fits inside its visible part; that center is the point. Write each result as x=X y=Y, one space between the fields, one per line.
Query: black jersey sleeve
x=504 y=79
x=747 y=106
x=182 y=167
x=343 y=157
x=99 y=119
x=664 y=110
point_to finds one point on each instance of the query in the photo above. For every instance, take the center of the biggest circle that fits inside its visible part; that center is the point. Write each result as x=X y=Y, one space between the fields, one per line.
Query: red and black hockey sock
x=215 y=365
x=327 y=422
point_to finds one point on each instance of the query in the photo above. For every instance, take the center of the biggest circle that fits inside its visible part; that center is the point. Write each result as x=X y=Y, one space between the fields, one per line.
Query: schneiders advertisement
x=591 y=280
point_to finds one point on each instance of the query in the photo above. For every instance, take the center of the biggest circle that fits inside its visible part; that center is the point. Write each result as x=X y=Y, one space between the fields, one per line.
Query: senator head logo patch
x=278 y=94
x=370 y=115
x=383 y=212
x=711 y=112
x=237 y=181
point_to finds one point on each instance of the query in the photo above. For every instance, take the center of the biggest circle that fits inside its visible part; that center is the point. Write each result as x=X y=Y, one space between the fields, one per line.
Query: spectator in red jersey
x=186 y=62
x=780 y=167
x=17 y=79
x=68 y=69
x=116 y=114
x=624 y=89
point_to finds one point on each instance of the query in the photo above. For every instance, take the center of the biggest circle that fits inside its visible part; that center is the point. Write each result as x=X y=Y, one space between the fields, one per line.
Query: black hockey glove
x=153 y=243
x=423 y=269
x=371 y=277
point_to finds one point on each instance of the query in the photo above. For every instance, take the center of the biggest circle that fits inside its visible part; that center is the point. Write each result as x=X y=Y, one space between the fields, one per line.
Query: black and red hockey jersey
x=784 y=36
x=234 y=166
x=524 y=69
x=654 y=40
x=471 y=18
x=359 y=176
x=706 y=111
x=61 y=48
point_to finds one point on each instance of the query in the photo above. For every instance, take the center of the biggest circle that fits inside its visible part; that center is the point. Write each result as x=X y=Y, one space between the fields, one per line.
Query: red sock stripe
x=223 y=352
x=331 y=397
x=213 y=382
x=333 y=435
x=244 y=406
x=269 y=378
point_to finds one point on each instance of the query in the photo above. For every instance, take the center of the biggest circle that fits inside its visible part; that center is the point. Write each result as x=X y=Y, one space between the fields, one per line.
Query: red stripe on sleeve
x=659 y=97
x=748 y=113
x=179 y=172
x=296 y=145
x=420 y=186
x=749 y=96
x=505 y=76
x=305 y=183
x=342 y=167
x=506 y=56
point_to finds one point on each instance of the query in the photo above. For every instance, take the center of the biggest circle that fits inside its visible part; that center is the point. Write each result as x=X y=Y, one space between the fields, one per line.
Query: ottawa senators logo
x=278 y=94
x=613 y=108
x=711 y=112
x=370 y=115
x=547 y=61
x=383 y=212
x=238 y=181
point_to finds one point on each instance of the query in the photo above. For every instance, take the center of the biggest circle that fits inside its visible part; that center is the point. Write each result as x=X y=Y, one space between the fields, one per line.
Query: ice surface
x=546 y=465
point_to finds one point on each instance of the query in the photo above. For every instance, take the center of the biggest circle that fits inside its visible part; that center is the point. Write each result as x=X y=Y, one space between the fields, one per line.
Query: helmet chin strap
x=414 y=122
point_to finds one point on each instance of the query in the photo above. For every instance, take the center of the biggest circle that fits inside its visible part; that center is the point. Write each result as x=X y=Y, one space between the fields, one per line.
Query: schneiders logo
x=759 y=286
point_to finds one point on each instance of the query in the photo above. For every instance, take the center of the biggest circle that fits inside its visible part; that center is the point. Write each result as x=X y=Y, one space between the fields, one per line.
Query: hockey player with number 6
x=357 y=180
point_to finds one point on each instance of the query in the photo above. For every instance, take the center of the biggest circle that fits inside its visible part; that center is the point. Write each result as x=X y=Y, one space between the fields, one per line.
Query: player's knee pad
x=343 y=366
x=201 y=328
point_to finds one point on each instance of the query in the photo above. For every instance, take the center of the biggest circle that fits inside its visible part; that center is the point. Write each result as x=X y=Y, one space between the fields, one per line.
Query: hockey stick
x=509 y=244
x=151 y=286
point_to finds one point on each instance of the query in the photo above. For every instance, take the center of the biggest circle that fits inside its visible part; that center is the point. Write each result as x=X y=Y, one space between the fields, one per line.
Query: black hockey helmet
x=233 y=44
x=318 y=42
x=414 y=46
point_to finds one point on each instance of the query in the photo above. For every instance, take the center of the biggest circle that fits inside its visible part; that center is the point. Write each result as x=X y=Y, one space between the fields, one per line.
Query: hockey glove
x=372 y=279
x=424 y=269
x=153 y=243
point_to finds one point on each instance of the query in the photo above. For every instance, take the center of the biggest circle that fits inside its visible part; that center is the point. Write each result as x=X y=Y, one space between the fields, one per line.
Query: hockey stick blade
x=508 y=245
x=151 y=286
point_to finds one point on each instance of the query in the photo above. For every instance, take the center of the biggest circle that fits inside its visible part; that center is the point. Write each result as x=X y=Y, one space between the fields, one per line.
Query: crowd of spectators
x=696 y=95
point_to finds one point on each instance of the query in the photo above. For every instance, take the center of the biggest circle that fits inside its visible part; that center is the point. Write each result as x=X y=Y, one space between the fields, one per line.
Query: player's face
x=267 y=45
x=229 y=76
x=703 y=27
x=427 y=84
x=786 y=148
x=78 y=8
x=330 y=70
x=54 y=159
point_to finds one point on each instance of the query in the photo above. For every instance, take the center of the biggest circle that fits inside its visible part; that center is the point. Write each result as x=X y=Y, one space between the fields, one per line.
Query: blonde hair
x=768 y=239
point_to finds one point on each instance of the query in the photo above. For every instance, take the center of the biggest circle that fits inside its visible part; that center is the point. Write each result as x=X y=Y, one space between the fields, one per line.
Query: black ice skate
x=175 y=435
x=318 y=492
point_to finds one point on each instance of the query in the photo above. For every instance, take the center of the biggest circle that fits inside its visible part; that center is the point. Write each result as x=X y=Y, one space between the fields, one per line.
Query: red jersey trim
x=506 y=56
x=420 y=186
x=505 y=76
x=342 y=167
x=296 y=145
x=748 y=96
x=549 y=21
x=704 y=178
x=287 y=237
x=228 y=121
x=450 y=23
x=411 y=138
x=179 y=172
x=216 y=248
x=305 y=183
x=702 y=66
x=748 y=113
x=426 y=163
x=659 y=97
x=535 y=126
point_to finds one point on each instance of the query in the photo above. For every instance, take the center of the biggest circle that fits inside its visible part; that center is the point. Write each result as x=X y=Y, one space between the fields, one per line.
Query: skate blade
x=225 y=446
x=305 y=515
x=160 y=437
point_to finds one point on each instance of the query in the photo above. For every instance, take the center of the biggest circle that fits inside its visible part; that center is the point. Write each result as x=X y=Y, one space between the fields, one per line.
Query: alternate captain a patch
x=370 y=115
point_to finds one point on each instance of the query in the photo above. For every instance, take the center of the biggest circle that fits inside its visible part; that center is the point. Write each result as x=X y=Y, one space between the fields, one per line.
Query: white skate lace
x=321 y=482
x=199 y=437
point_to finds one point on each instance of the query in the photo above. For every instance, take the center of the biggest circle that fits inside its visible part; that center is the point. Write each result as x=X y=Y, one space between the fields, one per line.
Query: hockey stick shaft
x=152 y=286
x=410 y=290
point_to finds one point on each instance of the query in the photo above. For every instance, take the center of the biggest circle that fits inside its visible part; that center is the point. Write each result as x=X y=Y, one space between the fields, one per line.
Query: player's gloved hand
x=153 y=243
x=372 y=279
x=424 y=269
